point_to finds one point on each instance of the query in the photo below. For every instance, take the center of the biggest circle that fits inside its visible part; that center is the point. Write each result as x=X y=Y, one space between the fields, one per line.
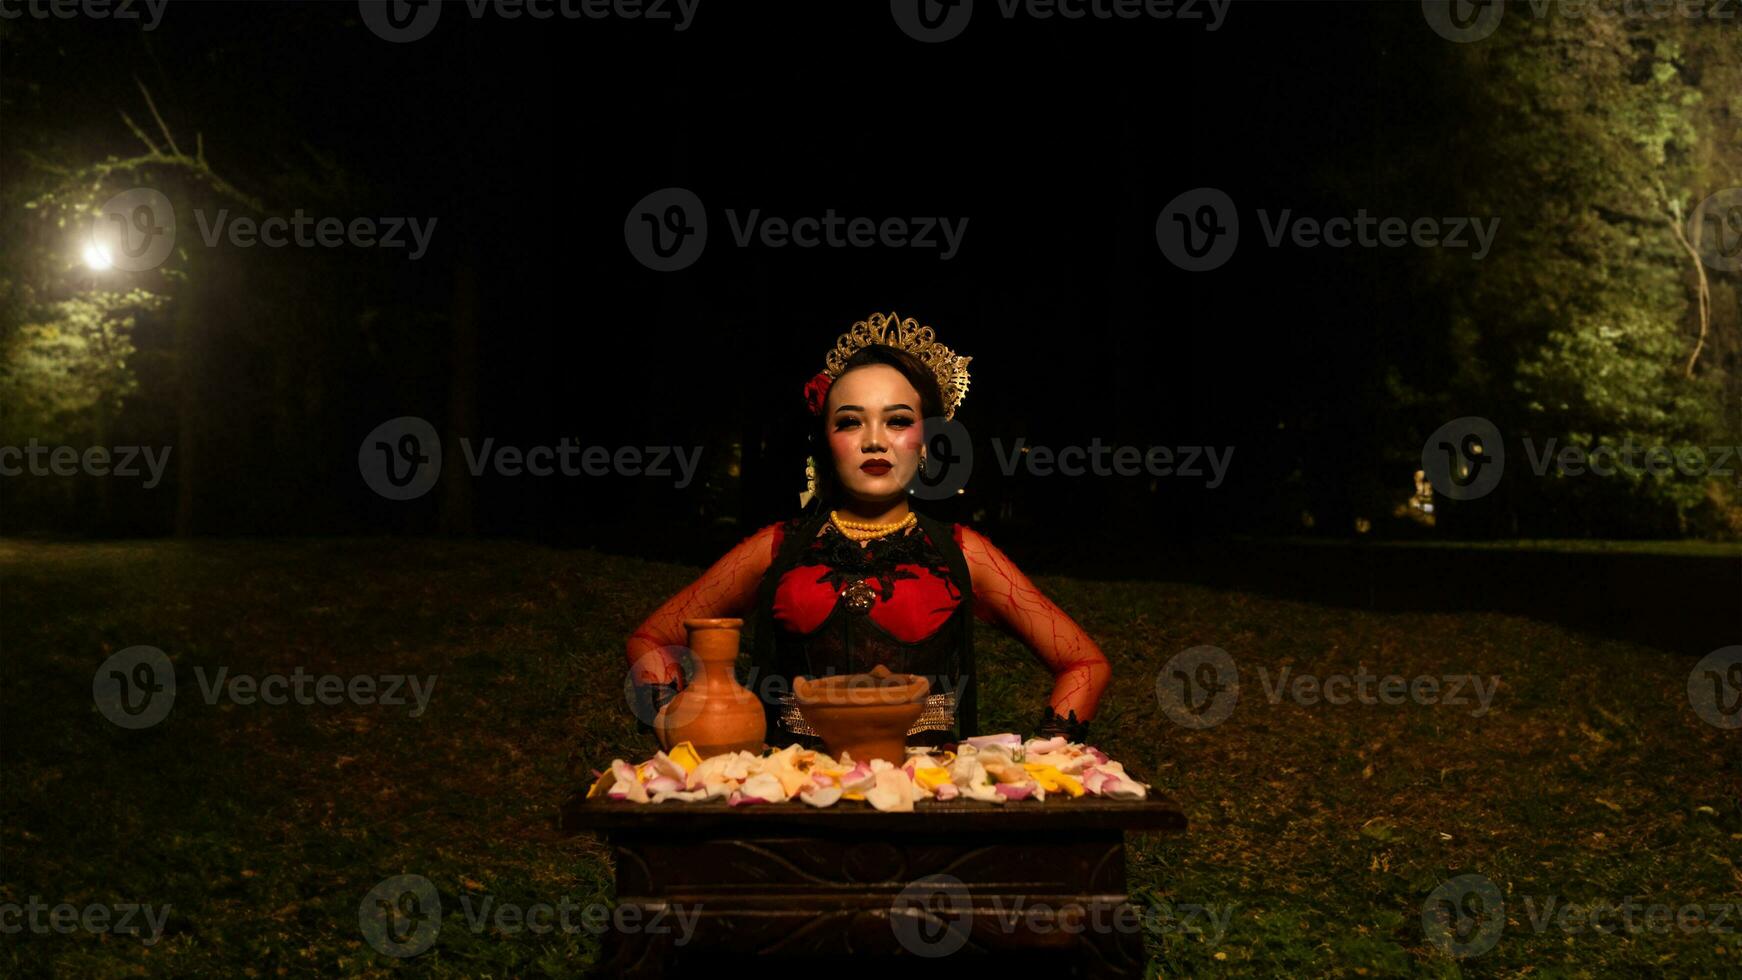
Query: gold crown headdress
x=950 y=368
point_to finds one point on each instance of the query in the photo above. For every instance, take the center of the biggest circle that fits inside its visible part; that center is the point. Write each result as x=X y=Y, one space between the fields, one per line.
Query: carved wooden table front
x=701 y=886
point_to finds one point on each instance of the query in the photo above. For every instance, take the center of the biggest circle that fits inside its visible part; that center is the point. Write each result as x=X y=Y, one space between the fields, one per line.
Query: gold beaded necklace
x=862 y=531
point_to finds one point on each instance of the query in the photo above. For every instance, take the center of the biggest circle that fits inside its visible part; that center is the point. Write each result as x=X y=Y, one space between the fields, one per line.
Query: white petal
x=821 y=795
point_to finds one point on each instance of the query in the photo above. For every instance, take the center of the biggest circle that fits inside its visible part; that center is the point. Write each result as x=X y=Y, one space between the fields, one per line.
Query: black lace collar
x=845 y=561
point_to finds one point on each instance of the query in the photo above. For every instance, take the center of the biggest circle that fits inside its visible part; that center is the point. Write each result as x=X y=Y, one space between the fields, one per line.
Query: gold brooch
x=859 y=595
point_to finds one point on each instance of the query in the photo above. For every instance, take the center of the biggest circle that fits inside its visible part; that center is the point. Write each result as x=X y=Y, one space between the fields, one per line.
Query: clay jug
x=714 y=713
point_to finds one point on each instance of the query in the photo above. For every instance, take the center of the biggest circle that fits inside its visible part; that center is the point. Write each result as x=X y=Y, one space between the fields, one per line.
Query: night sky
x=1053 y=145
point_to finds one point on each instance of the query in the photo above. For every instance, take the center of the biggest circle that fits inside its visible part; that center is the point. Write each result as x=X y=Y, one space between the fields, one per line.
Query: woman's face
x=873 y=423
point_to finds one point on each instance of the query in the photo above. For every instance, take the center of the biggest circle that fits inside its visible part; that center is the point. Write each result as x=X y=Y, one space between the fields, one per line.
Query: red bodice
x=842 y=608
x=827 y=606
x=915 y=594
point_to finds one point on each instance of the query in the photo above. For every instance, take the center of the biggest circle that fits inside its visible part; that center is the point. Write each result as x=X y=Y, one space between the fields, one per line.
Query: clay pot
x=863 y=715
x=714 y=713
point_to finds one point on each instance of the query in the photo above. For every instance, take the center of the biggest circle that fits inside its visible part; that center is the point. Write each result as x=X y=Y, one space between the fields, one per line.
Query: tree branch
x=162 y=127
x=1705 y=289
x=140 y=133
x=156 y=157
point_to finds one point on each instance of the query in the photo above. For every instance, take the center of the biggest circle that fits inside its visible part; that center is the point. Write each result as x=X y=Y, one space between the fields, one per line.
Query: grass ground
x=1318 y=831
x=1574 y=546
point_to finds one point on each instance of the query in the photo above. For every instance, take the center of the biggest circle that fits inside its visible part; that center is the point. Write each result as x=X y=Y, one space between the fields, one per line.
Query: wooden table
x=705 y=886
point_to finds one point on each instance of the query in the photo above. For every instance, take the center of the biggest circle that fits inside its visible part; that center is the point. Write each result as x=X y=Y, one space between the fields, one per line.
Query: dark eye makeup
x=898 y=421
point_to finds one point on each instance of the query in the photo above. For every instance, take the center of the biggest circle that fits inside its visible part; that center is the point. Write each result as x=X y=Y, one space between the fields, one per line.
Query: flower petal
x=821 y=796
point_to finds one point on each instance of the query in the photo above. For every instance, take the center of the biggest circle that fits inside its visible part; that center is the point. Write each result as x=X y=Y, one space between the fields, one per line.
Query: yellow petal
x=606 y=780
x=852 y=796
x=791 y=780
x=684 y=754
x=1051 y=779
x=931 y=778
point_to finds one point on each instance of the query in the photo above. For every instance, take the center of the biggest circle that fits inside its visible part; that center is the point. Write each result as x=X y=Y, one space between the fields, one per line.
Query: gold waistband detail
x=939 y=715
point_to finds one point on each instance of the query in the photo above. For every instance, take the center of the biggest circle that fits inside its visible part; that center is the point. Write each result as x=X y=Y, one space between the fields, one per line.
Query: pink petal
x=860 y=779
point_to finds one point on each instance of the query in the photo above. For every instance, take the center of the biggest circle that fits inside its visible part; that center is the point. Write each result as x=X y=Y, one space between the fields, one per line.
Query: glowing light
x=97 y=258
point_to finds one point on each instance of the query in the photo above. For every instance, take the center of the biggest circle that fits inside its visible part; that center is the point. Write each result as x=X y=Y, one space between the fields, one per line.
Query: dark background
x=528 y=320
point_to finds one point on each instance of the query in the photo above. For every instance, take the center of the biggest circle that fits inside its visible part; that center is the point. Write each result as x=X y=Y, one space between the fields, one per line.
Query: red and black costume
x=829 y=606
x=818 y=604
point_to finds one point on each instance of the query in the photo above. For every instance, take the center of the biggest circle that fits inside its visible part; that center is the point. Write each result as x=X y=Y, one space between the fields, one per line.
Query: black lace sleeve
x=649 y=698
x=1072 y=729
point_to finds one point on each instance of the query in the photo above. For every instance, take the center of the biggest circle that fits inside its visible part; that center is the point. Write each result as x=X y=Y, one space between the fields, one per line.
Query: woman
x=860 y=578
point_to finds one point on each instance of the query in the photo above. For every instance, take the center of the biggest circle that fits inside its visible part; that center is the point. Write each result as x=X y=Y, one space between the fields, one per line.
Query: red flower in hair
x=816 y=392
